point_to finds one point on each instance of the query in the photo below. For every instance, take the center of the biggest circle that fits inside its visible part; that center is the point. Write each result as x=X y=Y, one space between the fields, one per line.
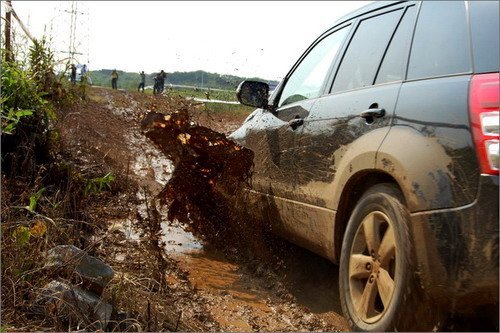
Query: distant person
x=83 y=72
x=114 y=79
x=143 y=81
x=156 y=87
x=162 y=78
x=73 y=73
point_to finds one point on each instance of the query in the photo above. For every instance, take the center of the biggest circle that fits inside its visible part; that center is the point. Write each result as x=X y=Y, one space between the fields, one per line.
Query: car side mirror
x=253 y=93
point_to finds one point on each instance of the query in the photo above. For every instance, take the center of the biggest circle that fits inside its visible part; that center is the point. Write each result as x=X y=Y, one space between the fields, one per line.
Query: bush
x=25 y=120
x=19 y=93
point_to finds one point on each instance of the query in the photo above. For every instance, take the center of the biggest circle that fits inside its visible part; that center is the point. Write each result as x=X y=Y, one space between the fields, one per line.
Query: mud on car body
x=379 y=150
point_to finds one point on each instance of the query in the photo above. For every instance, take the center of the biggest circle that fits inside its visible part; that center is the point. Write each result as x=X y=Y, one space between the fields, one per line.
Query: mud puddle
x=237 y=303
x=179 y=242
x=207 y=270
x=306 y=299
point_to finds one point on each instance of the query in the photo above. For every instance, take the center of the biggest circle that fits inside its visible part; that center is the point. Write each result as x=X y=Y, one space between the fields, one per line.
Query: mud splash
x=210 y=171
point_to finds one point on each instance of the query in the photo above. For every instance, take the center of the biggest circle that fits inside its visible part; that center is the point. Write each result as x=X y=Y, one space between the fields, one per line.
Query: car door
x=272 y=137
x=342 y=131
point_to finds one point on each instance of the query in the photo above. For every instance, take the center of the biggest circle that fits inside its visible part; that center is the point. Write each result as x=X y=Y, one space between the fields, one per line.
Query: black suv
x=380 y=151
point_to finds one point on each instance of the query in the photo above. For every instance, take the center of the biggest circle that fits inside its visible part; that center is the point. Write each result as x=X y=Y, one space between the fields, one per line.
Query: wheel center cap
x=376 y=266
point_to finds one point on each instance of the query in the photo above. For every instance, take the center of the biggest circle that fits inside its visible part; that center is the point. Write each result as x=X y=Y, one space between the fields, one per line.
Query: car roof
x=366 y=9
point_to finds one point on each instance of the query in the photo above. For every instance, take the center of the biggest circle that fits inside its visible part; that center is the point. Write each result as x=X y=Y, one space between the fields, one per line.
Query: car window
x=393 y=66
x=308 y=78
x=362 y=58
x=441 y=43
x=485 y=28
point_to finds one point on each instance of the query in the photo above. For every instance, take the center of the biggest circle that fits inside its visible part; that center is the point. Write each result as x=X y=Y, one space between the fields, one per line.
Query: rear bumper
x=457 y=250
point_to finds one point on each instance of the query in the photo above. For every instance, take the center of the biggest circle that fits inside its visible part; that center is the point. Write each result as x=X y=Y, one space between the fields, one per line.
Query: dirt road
x=210 y=288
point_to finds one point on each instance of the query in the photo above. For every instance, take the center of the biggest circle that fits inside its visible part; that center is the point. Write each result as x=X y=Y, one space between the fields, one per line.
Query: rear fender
x=422 y=168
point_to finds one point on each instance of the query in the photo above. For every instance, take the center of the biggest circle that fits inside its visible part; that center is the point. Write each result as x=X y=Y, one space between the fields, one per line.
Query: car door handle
x=296 y=122
x=373 y=113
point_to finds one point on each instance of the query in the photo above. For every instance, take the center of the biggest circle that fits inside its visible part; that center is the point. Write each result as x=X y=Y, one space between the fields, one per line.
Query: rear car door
x=432 y=113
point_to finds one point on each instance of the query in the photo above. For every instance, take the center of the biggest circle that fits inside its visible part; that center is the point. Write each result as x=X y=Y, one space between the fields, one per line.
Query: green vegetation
x=223 y=95
x=96 y=185
x=44 y=197
x=21 y=97
x=236 y=109
x=130 y=81
x=34 y=199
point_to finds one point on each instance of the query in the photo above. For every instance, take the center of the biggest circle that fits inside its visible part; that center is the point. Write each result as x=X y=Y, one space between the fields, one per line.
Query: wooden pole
x=8 y=21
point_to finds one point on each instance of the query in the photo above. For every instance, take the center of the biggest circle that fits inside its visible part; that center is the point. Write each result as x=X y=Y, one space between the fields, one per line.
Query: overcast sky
x=262 y=38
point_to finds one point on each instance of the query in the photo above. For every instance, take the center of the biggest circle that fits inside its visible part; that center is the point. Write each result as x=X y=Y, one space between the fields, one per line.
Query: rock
x=68 y=259
x=69 y=304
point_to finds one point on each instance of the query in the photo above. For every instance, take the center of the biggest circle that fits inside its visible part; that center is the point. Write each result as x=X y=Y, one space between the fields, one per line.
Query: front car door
x=273 y=135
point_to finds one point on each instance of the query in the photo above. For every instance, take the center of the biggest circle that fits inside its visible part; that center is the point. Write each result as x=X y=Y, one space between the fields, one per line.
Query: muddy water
x=240 y=302
x=208 y=270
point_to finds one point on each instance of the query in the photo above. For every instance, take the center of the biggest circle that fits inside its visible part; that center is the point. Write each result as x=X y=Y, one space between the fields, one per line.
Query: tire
x=379 y=287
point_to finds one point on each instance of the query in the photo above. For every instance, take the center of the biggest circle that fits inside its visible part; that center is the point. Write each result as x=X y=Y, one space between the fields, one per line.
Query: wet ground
x=238 y=293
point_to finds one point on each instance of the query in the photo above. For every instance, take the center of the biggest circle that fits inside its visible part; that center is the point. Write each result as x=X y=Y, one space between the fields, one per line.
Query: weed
x=20 y=97
x=42 y=62
x=96 y=185
x=22 y=235
x=30 y=92
x=34 y=200
x=12 y=118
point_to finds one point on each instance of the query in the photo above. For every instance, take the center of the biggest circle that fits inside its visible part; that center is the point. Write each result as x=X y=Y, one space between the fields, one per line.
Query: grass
x=223 y=95
x=229 y=108
x=238 y=110
x=226 y=95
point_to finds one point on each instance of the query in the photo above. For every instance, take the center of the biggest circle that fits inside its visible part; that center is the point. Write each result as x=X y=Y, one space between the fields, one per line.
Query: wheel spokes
x=385 y=286
x=367 y=300
x=387 y=248
x=370 y=228
x=360 y=266
x=372 y=266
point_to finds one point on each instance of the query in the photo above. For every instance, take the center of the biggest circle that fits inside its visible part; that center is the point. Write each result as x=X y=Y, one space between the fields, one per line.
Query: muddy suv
x=379 y=150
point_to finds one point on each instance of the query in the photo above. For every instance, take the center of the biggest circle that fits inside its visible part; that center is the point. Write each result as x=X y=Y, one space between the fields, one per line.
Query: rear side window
x=393 y=66
x=441 y=43
x=362 y=58
x=484 y=23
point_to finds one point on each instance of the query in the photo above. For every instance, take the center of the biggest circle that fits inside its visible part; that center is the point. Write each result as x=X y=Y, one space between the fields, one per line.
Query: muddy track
x=210 y=288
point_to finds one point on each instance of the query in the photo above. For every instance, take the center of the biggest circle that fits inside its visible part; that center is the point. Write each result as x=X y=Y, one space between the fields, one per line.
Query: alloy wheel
x=372 y=267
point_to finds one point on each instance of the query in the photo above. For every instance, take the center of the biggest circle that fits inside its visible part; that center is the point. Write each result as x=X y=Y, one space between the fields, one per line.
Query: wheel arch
x=355 y=187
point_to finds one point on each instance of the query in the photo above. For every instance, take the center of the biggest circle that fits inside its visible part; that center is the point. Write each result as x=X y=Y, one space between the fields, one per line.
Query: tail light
x=484 y=107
